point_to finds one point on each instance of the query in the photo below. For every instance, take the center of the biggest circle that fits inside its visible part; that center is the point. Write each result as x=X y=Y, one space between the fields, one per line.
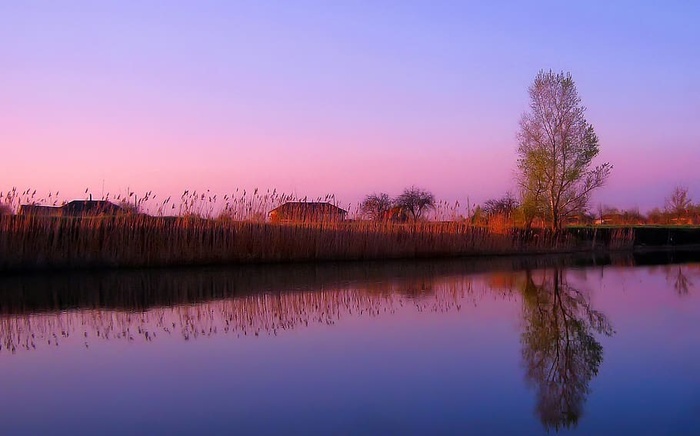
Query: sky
x=338 y=97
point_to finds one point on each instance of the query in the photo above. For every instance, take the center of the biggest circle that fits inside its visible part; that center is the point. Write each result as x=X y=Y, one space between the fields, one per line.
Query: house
x=35 y=210
x=74 y=208
x=620 y=218
x=91 y=207
x=302 y=211
x=580 y=219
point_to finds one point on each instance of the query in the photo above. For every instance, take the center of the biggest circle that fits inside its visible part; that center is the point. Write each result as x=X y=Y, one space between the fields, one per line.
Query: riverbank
x=37 y=243
x=45 y=243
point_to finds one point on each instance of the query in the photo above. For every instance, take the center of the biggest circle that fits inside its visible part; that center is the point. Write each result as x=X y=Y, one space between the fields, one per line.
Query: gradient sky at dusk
x=338 y=97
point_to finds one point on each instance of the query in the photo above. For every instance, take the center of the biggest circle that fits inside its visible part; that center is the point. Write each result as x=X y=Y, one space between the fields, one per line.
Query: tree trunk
x=556 y=225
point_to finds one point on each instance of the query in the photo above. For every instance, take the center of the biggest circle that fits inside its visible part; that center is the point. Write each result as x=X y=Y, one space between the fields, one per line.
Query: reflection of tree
x=559 y=351
x=681 y=283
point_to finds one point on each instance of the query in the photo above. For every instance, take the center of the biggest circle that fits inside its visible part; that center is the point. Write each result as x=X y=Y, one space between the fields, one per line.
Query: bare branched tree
x=415 y=201
x=679 y=203
x=376 y=206
x=505 y=205
x=556 y=147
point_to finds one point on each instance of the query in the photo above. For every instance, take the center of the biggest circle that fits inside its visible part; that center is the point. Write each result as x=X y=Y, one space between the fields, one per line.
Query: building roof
x=34 y=209
x=308 y=207
x=76 y=207
x=91 y=206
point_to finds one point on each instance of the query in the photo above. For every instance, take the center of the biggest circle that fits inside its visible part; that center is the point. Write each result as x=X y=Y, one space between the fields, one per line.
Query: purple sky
x=338 y=97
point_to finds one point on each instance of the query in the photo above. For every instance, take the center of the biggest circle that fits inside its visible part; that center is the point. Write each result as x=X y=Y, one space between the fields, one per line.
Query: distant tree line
x=508 y=211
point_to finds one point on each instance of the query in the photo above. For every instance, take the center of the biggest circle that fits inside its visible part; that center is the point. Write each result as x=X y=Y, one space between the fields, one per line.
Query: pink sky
x=337 y=99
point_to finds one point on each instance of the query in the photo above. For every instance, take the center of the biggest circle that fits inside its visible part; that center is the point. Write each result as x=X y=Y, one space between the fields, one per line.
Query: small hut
x=302 y=211
x=91 y=208
x=74 y=208
x=36 y=210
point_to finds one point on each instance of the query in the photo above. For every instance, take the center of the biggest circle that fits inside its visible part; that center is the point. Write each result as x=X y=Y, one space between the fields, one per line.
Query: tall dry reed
x=28 y=242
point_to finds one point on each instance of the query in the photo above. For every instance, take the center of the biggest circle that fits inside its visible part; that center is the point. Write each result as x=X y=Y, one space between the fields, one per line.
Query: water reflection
x=678 y=275
x=560 y=330
x=143 y=305
x=560 y=353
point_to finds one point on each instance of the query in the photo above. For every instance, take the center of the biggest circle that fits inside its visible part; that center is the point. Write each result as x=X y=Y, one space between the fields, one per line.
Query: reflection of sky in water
x=445 y=359
x=648 y=381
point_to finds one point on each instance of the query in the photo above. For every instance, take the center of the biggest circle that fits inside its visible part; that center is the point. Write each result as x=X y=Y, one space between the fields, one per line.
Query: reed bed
x=35 y=242
x=210 y=229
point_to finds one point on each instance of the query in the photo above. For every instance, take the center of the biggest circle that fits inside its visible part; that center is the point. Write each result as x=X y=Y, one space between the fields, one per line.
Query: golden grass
x=210 y=229
x=28 y=242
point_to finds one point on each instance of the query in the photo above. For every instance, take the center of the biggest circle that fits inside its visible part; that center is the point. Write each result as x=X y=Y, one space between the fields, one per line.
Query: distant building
x=620 y=218
x=34 y=210
x=301 y=211
x=74 y=208
x=580 y=219
x=91 y=207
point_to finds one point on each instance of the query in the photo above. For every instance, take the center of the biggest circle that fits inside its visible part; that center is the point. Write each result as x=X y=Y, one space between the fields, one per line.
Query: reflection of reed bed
x=420 y=287
x=137 y=241
x=139 y=290
x=252 y=315
x=45 y=309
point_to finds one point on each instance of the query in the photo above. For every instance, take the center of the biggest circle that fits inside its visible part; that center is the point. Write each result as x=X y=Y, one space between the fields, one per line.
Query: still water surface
x=509 y=346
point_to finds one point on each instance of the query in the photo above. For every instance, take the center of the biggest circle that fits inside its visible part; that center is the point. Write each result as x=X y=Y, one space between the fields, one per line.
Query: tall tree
x=415 y=201
x=376 y=206
x=556 y=148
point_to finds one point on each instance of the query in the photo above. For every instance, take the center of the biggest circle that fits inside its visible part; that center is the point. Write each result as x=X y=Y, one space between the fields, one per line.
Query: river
x=539 y=345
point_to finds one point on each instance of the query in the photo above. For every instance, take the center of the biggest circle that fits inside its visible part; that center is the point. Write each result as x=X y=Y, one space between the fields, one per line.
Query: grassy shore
x=32 y=242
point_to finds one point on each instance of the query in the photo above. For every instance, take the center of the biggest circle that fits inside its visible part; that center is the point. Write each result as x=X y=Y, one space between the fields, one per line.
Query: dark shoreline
x=136 y=289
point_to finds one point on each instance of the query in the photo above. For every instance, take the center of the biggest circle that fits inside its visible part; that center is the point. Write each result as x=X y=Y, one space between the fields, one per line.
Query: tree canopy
x=556 y=148
x=505 y=205
x=376 y=206
x=415 y=201
x=679 y=202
